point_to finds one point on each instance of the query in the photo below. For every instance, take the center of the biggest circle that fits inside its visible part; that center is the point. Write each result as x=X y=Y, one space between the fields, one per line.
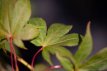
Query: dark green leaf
x=85 y=47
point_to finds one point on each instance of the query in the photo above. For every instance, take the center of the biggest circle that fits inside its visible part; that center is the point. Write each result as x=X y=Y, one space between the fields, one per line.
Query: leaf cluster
x=15 y=22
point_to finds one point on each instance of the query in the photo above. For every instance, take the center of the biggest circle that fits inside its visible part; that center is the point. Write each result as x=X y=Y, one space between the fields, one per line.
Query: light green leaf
x=65 y=62
x=19 y=43
x=98 y=62
x=29 y=32
x=2 y=33
x=46 y=55
x=41 y=24
x=6 y=47
x=20 y=15
x=4 y=15
x=68 y=40
x=85 y=47
x=56 y=31
x=63 y=52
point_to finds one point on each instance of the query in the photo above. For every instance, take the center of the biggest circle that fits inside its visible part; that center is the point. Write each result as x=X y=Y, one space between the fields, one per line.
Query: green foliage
x=14 y=16
x=85 y=47
x=97 y=62
x=55 y=38
x=15 y=23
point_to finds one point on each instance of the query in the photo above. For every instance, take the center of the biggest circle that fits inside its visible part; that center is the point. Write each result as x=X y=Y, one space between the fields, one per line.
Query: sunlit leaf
x=14 y=16
x=56 y=31
x=4 y=15
x=19 y=43
x=29 y=32
x=41 y=24
x=68 y=40
x=20 y=15
x=85 y=47
x=98 y=62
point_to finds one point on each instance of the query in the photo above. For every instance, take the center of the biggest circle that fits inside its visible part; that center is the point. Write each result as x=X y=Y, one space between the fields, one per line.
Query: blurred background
x=74 y=12
x=77 y=13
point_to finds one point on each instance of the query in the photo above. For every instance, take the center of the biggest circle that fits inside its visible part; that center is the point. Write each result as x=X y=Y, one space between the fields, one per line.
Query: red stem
x=15 y=58
x=54 y=67
x=11 y=58
x=35 y=56
x=12 y=51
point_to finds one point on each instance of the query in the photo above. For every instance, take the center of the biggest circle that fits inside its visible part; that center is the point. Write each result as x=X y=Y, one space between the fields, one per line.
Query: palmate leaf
x=56 y=31
x=56 y=36
x=41 y=24
x=14 y=16
x=98 y=62
x=85 y=47
x=53 y=41
x=66 y=63
x=64 y=56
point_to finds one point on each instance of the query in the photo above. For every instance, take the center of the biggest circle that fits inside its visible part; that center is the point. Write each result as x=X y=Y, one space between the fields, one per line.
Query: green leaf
x=19 y=43
x=46 y=55
x=6 y=47
x=66 y=63
x=29 y=32
x=98 y=62
x=41 y=24
x=68 y=40
x=63 y=52
x=56 y=31
x=20 y=15
x=4 y=15
x=85 y=47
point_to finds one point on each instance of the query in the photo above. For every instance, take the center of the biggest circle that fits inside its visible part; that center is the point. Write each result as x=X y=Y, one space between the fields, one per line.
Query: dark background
x=77 y=13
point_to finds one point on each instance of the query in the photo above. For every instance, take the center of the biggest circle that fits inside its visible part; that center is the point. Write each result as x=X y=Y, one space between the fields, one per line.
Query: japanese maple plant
x=16 y=26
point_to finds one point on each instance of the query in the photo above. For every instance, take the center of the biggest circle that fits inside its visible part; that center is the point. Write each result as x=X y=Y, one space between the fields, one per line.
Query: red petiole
x=12 y=51
x=35 y=56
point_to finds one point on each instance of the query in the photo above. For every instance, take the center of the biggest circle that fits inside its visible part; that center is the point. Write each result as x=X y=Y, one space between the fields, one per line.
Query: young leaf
x=20 y=14
x=4 y=18
x=98 y=62
x=66 y=63
x=85 y=47
x=63 y=55
x=19 y=43
x=46 y=56
x=29 y=32
x=14 y=15
x=56 y=35
x=68 y=40
x=41 y=24
x=56 y=31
